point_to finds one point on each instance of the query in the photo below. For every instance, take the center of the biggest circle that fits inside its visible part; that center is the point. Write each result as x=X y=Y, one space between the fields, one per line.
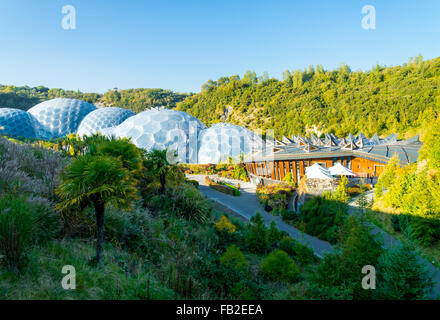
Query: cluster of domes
x=151 y=129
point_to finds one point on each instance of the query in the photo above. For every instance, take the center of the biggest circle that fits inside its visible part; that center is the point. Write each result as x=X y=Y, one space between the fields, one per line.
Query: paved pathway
x=247 y=206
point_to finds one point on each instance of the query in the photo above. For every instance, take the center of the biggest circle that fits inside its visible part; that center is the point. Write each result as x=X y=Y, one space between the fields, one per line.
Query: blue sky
x=179 y=45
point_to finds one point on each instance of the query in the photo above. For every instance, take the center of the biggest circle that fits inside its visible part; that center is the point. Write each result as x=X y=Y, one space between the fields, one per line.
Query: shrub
x=402 y=276
x=224 y=225
x=242 y=291
x=16 y=230
x=234 y=259
x=287 y=245
x=341 y=193
x=279 y=267
x=47 y=222
x=25 y=169
x=323 y=217
x=288 y=215
x=188 y=202
x=303 y=254
x=289 y=179
x=221 y=187
x=425 y=229
x=275 y=196
x=195 y=183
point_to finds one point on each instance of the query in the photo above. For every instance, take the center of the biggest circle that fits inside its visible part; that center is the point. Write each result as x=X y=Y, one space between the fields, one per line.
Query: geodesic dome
x=103 y=118
x=161 y=129
x=223 y=140
x=16 y=123
x=59 y=117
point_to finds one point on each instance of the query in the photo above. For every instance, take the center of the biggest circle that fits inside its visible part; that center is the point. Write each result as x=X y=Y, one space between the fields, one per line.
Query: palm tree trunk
x=99 y=212
x=162 y=183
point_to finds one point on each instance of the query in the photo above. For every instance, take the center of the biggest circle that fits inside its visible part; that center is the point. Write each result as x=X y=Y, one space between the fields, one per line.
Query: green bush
x=287 y=245
x=234 y=259
x=190 y=203
x=402 y=276
x=16 y=230
x=323 y=217
x=288 y=215
x=279 y=267
x=47 y=222
x=303 y=254
x=195 y=183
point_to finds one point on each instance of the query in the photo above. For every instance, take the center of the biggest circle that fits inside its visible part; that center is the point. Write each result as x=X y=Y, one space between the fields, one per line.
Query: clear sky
x=179 y=44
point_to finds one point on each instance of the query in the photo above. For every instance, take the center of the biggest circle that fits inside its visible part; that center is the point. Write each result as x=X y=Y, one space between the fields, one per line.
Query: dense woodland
x=384 y=99
x=134 y=99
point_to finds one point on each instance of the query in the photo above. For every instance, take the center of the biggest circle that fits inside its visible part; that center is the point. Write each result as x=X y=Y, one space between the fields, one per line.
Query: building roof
x=374 y=148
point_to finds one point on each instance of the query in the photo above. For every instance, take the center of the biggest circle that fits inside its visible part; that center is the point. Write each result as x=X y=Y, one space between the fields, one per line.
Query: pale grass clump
x=29 y=170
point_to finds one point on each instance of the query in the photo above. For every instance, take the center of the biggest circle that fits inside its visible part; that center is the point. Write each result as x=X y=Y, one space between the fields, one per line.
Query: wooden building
x=365 y=157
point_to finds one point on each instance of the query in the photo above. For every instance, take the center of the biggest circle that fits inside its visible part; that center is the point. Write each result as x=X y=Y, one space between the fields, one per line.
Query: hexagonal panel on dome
x=59 y=117
x=161 y=129
x=104 y=118
x=16 y=123
x=224 y=140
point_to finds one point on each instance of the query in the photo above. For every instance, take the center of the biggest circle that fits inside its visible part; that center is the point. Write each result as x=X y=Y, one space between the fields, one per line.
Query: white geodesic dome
x=16 y=123
x=59 y=117
x=162 y=129
x=103 y=118
x=224 y=140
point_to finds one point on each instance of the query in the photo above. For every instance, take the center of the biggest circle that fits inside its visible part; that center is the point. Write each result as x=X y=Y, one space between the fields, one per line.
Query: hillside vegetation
x=134 y=99
x=384 y=100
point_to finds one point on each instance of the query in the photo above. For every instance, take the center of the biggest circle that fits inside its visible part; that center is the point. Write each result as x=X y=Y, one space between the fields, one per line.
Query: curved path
x=247 y=206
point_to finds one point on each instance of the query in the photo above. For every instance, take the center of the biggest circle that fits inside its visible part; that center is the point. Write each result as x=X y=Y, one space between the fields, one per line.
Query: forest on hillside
x=136 y=100
x=384 y=100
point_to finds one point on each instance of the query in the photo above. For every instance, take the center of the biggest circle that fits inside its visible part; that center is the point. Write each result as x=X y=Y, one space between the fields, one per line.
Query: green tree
x=161 y=165
x=401 y=275
x=98 y=181
x=274 y=235
x=341 y=193
x=256 y=237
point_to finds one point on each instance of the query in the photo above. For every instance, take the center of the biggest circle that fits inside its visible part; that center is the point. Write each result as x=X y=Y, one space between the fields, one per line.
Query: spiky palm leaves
x=96 y=180
x=161 y=165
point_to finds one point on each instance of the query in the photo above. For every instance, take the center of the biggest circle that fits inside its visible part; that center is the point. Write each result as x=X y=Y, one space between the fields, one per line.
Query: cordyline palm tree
x=96 y=180
x=162 y=164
